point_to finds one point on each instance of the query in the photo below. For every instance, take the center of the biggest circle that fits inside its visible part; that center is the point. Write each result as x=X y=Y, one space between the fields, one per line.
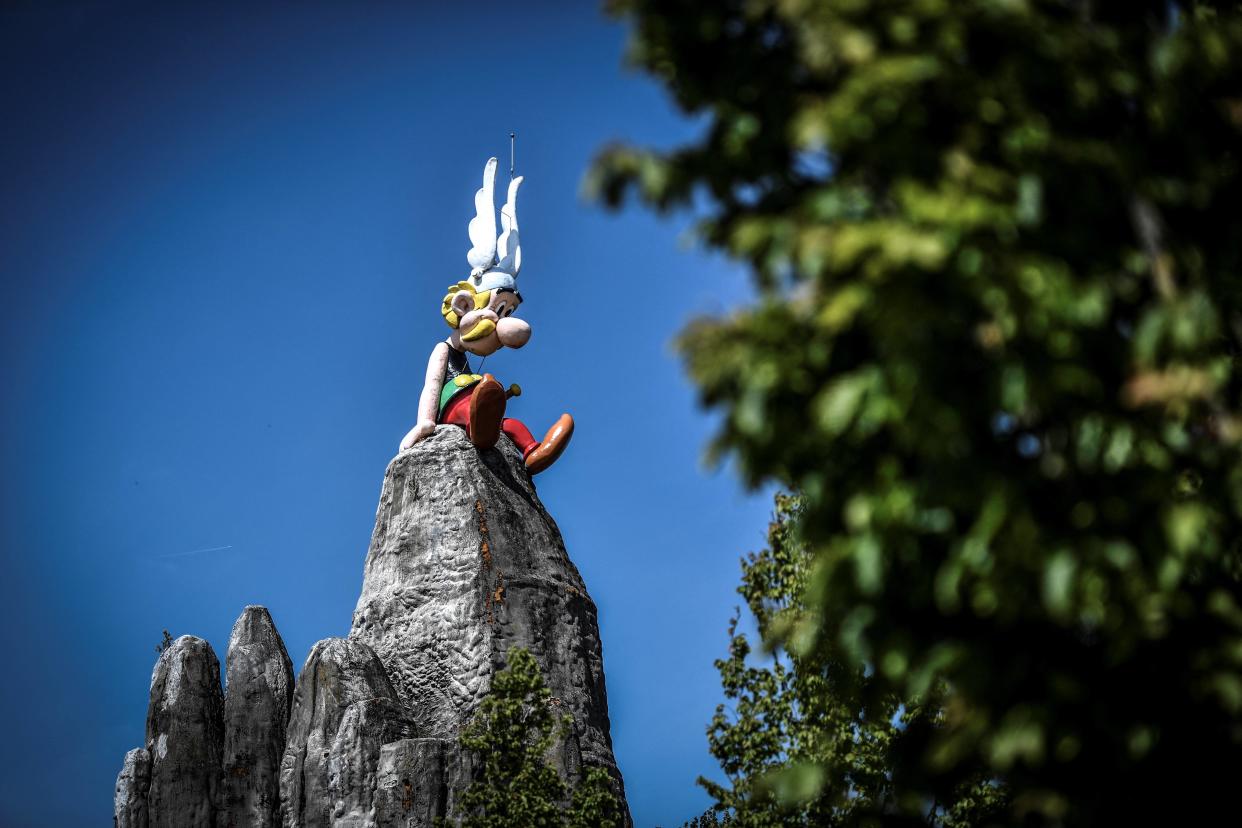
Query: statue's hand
x=423 y=430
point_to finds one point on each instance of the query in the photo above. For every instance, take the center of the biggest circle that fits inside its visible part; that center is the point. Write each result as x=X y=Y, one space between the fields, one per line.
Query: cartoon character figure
x=480 y=312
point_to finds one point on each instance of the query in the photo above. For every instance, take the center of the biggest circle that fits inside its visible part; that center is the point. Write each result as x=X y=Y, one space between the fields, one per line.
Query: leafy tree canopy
x=998 y=249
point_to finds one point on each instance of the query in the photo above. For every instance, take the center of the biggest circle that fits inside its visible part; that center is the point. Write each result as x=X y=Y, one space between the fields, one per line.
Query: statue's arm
x=429 y=400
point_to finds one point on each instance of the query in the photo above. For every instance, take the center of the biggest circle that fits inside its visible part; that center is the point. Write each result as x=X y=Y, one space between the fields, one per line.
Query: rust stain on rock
x=496 y=596
x=485 y=547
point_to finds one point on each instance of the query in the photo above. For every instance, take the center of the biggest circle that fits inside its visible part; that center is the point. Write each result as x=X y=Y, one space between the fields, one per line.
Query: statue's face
x=486 y=330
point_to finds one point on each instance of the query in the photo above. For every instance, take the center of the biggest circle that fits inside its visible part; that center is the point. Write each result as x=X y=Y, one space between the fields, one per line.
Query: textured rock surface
x=354 y=758
x=185 y=735
x=129 y=806
x=419 y=780
x=256 y=711
x=338 y=673
x=465 y=563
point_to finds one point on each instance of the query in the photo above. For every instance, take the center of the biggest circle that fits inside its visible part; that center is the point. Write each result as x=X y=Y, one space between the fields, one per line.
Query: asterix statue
x=480 y=312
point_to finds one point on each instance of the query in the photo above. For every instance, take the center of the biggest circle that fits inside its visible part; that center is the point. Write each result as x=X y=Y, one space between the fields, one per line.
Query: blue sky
x=224 y=234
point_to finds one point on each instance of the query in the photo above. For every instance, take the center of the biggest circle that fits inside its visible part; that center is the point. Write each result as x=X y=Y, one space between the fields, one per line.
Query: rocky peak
x=185 y=735
x=256 y=711
x=464 y=563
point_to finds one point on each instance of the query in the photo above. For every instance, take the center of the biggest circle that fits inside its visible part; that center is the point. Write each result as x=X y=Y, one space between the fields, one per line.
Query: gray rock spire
x=129 y=806
x=185 y=735
x=338 y=673
x=256 y=712
x=465 y=563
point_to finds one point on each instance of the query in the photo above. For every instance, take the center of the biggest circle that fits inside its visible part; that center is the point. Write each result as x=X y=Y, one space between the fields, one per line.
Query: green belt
x=455 y=386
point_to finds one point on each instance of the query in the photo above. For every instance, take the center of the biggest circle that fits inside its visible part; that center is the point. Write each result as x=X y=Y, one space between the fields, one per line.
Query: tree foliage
x=797 y=746
x=712 y=818
x=512 y=733
x=997 y=246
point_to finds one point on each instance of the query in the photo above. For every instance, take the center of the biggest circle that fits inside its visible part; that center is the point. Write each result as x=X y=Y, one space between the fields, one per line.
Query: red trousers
x=458 y=413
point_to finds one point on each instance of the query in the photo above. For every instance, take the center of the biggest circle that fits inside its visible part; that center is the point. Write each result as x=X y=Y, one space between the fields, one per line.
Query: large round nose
x=513 y=333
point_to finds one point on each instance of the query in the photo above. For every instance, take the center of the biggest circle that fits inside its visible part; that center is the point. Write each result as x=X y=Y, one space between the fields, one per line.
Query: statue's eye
x=510 y=312
x=500 y=309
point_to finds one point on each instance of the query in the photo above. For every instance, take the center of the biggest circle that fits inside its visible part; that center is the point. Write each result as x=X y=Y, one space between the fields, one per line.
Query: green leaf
x=838 y=404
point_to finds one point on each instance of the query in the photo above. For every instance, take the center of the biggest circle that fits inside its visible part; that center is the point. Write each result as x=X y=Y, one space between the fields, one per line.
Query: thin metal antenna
x=512 y=152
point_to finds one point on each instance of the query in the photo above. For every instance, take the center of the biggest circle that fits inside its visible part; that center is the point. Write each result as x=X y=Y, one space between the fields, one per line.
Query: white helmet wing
x=482 y=227
x=509 y=248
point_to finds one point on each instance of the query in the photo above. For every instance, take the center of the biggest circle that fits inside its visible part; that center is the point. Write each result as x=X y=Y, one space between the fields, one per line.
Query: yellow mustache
x=479 y=331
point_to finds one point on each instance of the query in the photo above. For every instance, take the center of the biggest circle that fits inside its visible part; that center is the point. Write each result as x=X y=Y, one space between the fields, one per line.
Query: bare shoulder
x=438 y=359
x=440 y=352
